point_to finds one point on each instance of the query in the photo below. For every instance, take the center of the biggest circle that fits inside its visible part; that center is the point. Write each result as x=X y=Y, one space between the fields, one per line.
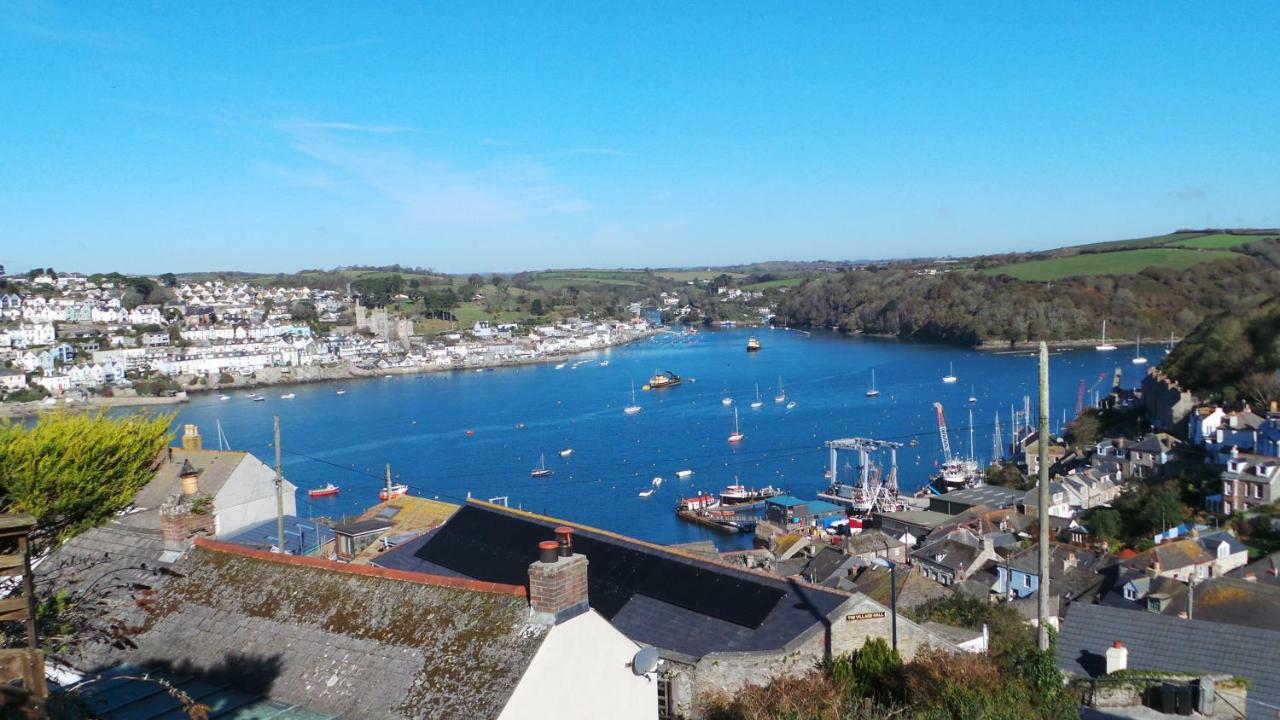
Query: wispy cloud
x=45 y=22
x=425 y=188
x=490 y=142
x=348 y=127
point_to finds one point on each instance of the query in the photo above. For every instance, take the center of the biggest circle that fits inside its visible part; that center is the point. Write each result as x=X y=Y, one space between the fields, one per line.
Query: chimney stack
x=190 y=478
x=1117 y=657
x=191 y=437
x=558 y=579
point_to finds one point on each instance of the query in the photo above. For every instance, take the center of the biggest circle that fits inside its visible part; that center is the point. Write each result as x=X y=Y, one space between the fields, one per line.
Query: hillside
x=955 y=303
x=1232 y=355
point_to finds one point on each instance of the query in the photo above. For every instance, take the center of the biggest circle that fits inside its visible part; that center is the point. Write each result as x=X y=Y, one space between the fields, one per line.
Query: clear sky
x=177 y=136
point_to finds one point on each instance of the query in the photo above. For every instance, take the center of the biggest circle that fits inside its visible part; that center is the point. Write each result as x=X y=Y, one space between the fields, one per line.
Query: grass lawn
x=1220 y=241
x=1124 y=262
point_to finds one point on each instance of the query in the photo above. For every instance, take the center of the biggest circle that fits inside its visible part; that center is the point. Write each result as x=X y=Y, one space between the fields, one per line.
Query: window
x=1026 y=581
x=1130 y=593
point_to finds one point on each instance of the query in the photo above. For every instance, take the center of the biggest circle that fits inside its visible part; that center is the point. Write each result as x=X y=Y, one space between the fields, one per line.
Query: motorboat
x=682 y=474
x=328 y=489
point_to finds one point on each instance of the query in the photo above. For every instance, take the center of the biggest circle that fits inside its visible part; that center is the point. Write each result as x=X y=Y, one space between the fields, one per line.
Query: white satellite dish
x=645 y=661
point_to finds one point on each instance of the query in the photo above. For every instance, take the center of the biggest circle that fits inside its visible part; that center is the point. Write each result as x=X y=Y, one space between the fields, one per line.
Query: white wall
x=249 y=496
x=582 y=672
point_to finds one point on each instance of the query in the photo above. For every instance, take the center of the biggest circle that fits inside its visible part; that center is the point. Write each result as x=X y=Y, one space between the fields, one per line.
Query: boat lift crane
x=875 y=491
x=942 y=433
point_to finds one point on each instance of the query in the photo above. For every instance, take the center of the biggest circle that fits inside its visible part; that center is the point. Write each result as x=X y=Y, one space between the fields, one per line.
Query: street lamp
x=893 y=593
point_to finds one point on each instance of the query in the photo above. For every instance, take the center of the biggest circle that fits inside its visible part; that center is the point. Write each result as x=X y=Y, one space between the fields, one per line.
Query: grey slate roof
x=339 y=642
x=1158 y=642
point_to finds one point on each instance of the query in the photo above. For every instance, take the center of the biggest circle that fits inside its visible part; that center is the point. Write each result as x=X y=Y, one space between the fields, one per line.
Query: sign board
x=865 y=616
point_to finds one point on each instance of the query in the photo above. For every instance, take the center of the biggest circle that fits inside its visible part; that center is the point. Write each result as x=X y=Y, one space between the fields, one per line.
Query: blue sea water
x=518 y=415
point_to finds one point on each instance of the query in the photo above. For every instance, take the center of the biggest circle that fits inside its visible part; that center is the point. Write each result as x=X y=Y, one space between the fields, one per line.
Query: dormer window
x=1223 y=550
x=1130 y=592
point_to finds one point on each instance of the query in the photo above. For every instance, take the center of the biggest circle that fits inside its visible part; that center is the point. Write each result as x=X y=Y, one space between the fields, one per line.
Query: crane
x=1080 y=398
x=942 y=433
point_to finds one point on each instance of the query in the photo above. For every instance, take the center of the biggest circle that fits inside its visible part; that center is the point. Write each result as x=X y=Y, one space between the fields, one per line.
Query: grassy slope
x=1221 y=241
x=1123 y=262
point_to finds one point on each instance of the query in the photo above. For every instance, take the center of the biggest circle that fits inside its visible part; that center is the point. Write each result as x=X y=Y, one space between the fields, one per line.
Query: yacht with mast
x=1138 y=359
x=758 y=403
x=542 y=470
x=950 y=377
x=781 y=397
x=736 y=435
x=633 y=408
x=873 y=392
x=727 y=400
x=1105 y=346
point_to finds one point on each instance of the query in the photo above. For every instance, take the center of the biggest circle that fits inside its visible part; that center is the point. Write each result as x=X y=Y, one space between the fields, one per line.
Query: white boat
x=873 y=392
x=341 y=392
x=604 y=363
x=396 y=491
x=258 y=398
x=633 y=408
x=782 y=393
x=560 y=366
x=682 y=474
x=973 y=396
x=736 y=435
x=1105 y=346
x=287 y=396
x=1137 y=353
x=566 y=452
x=791 y=405
x=646 y=493
x=542 y=470
x=657 y=482
x=758 y=403
x=1170 y=346
x=950 y=377
x=224 y=397
x=726 y=400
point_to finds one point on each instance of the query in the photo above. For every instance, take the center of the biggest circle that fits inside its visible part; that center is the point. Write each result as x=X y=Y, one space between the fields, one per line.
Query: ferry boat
x=738 y=494
x=663 y=380
x=701 y=501
x=396 y=491
x=753 y=344
x=542 y=470
x=328 y=489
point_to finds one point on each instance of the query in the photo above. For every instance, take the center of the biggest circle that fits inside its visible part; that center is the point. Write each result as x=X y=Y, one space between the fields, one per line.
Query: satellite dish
x=645 y=661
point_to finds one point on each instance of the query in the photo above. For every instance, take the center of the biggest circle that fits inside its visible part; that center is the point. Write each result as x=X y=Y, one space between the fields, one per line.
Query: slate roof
x=913 y=587
x=105 y=572
x=337 y=638
x=1266 y=569
x=1232 y=601
x=681 y=604
x=869 y=541
x=826 y=563
x=117 y=697
x=1159 y=642
x=1171 y=555
x=214 y=467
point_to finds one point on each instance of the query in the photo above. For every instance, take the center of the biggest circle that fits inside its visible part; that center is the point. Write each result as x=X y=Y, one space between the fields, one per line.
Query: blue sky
x=159 y=136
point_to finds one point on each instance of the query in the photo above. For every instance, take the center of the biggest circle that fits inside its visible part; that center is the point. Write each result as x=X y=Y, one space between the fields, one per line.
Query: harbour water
x=420 y=424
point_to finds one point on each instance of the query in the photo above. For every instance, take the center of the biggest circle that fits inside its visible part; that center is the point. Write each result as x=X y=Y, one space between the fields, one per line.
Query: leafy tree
x=1086 y=430
x=1105 y=524
x=303 y=311
x=535 y=307
x=74 y=471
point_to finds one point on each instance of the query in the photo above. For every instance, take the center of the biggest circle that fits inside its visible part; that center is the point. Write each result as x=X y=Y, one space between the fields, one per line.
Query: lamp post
x=893 y=593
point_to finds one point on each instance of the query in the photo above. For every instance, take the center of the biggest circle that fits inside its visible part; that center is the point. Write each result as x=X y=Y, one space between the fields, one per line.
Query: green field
x=1221 y=241
x=1124 y=262
x=695 y=275
x=785 y=282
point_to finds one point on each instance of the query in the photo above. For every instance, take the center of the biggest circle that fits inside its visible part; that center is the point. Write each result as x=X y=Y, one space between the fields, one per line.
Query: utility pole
x=388 y=482
x=1043 y=611
x=279 y=491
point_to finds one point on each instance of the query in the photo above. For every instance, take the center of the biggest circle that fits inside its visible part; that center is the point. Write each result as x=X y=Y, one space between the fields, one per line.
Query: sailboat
x=950 y=377
x=1137 y=353
x=736 y=435
x=726 y=400
x=1169 y=349
x=1105 y=346
x=973 y=396
x=782 y=393
x=873 y=392
x=758 y=403
x=633 y=408
x=542 y=470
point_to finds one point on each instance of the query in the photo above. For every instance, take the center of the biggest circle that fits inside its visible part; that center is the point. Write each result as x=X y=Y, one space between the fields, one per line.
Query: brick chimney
x=182 y=517
x=558 y=579
x=191 y=437
x=1117 y=657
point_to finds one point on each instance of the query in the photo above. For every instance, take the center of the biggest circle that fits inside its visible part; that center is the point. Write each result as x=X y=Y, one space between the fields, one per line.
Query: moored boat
x=1104 y=346
x=701 y=501
x=663 y=380
x=542 y=470
x=328 y=489
x=738 y=494
x=566 y=452
x=736 y=435
x=682 y=474
x=753 y=344
x=287 y=396
x=396 y=491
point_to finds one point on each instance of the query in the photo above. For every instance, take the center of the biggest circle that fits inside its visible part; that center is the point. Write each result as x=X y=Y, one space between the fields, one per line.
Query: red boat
x=328 y=489
x=701 y=501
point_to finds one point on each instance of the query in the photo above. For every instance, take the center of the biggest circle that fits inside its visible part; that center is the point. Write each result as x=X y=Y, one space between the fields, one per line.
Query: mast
x=1042 y=631
x=996 y=455
x=973 y=450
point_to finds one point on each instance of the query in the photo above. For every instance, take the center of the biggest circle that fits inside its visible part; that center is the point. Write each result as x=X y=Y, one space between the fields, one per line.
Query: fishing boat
x=542 y=470
x=633 y=408
x=950 y=377
x=343 y=391
x=873 y=392
x=1138 y=359
x=566 y=452
x=753 y=344
x=758 y=403
x=1104 y=346
x=738 y=494
x=781 y=397
x=736 y=435
x=646 y=493
x=663 y=380
x=701 y=501
x=396 y=491
x=328 y=489
x=682 y=474
x=973 y=395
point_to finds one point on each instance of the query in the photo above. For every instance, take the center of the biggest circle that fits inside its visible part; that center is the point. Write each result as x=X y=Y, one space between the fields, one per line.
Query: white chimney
x=1117 y=658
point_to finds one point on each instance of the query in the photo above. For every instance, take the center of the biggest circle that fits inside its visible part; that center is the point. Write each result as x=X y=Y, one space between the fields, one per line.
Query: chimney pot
x=191 y=437
x=548 y=551
x=564 y=537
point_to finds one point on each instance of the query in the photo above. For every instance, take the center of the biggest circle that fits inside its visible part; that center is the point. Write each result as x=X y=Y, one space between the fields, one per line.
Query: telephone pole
x=279 y=492
x=388 y=482
x=1043 y=610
